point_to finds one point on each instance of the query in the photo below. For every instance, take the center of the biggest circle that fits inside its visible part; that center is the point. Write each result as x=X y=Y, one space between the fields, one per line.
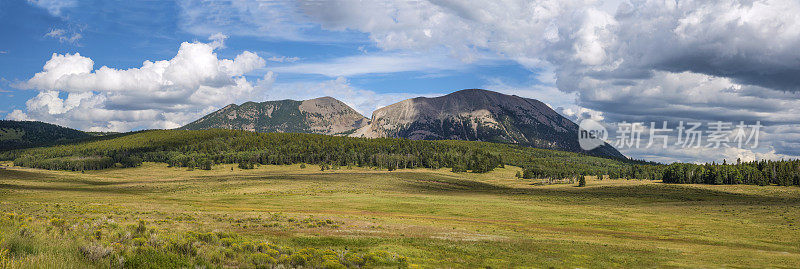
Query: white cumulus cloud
x=621 y=60
x=641 y=60
x=159 y=94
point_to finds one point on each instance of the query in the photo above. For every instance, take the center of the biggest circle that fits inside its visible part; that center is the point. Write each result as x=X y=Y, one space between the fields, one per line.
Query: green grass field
x=376 y=218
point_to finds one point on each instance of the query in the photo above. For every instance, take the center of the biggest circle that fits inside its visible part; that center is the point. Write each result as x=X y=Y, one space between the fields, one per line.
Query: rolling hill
x=26 y=134
x=203 y=148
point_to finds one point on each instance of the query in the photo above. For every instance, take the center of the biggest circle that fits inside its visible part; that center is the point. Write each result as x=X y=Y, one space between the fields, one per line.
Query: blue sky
x=130 y=65
x=124 y=34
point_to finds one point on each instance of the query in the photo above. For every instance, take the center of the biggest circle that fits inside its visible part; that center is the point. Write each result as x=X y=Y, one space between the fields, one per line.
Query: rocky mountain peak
x=471 y=114
x=324 y=115
x=477 y=115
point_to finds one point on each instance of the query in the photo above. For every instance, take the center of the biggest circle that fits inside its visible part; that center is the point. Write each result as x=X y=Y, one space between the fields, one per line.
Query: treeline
x=630 y=171
x=66 y=163
x=78 y=163
x=764 y=172
x=552 y=164
x=201 y=149
x=784 y=173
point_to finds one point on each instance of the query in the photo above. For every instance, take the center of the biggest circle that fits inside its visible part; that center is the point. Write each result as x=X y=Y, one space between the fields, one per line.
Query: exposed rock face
x=323 y=115
x=479 y=115
x=476 y=115
x=326 y=115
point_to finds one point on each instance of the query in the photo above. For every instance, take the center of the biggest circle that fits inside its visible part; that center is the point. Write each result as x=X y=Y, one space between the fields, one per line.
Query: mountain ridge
x=479 y=115
x=470 y=114
x=323 y=115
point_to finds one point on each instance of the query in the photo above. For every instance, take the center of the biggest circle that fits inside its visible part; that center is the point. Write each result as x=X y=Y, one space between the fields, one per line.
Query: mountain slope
x=479 y=115
x=25 y=134
x=323 y=115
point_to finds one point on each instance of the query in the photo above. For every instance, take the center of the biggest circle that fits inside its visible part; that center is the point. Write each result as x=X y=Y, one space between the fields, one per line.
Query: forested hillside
x=554 y=164
x=26 y=134
x=203 y=149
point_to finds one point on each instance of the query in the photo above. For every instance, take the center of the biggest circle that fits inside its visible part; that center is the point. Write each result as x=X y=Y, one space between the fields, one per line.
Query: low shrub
x=261 y=260
x=149 y=257
x=95 y=252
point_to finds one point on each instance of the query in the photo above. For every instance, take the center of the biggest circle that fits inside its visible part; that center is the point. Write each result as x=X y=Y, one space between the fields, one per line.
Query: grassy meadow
x=287 y=216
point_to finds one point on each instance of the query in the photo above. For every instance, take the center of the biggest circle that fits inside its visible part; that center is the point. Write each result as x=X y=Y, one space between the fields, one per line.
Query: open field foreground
x=157 y=216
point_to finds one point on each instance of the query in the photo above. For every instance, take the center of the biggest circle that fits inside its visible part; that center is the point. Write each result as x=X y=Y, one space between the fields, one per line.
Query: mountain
x=479 y=115
x=474 y=115
x=26 y=134
x=323 y=115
